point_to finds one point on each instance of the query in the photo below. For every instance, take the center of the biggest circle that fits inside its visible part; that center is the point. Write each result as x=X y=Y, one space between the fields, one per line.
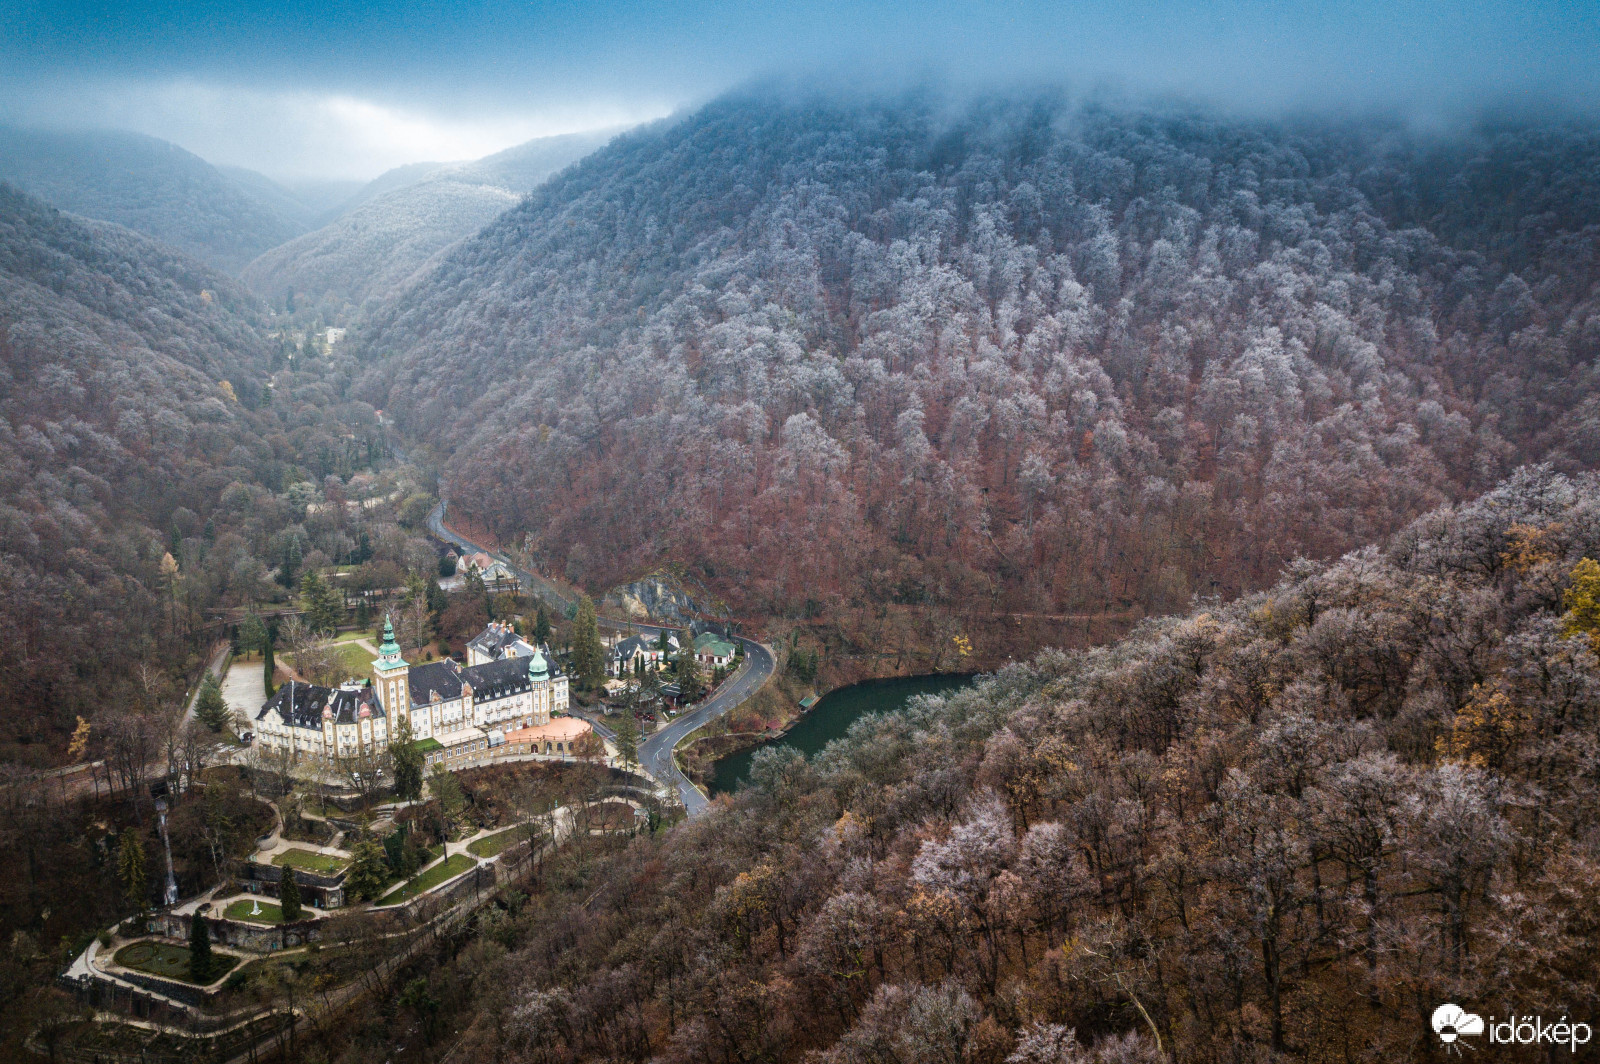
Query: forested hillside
x=145 y=468
x=372 y=250
x=1013 y=355
x=155 y=188
x=1292 y=824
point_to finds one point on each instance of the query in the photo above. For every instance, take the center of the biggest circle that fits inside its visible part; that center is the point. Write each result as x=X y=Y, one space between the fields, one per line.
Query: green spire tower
x=389 y=677
x=389 y=652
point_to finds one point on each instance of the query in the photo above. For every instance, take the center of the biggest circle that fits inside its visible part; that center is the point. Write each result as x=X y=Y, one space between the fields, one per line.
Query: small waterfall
x=172 y=880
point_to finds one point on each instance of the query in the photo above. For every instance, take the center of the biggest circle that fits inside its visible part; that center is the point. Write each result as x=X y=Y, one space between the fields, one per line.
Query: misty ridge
x=1251 y=460
x=1012 y=351
x=155 y=188
x=376 y=246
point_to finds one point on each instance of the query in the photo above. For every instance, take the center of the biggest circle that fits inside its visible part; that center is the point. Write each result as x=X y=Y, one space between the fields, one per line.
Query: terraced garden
x=427 y=879
x=240 y=910
x=169 y=961
x=493 y=845
x=310 y=861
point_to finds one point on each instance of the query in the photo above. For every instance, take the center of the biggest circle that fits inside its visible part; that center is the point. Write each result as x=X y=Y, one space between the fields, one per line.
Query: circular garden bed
x=170 y=961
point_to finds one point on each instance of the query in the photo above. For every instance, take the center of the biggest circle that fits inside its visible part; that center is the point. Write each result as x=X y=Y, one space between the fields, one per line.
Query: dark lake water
x=832 y=716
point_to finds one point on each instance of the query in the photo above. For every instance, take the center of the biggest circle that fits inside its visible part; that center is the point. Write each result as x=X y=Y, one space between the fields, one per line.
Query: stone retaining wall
x=322 y=891
x=256 y=938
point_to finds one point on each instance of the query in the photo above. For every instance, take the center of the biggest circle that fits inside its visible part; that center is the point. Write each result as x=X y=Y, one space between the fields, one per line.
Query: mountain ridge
x=153 y=187
x=394 y=228
x=1029 y=354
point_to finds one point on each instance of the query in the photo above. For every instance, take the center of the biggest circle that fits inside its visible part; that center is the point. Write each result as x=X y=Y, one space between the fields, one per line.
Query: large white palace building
x=455 y=710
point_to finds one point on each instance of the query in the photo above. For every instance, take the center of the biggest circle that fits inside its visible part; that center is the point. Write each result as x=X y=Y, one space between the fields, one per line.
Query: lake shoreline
x=849 y=703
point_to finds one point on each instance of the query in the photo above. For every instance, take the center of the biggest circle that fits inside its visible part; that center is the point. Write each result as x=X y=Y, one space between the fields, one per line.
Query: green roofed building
x=711 y=649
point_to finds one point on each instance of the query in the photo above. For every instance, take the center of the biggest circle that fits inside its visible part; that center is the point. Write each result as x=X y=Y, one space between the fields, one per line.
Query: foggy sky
x=341 y=89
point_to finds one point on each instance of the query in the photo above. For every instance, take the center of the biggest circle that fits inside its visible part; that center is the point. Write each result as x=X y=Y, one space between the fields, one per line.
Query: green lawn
x=353 y=660
x=430 y=855
x=169 y=961
x=490 y=845
x=310 y=861
x=240 y=910
x=428 y=879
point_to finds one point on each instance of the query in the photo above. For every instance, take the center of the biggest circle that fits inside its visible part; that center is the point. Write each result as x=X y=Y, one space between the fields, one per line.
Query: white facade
x=322 y=723
x=508 y=684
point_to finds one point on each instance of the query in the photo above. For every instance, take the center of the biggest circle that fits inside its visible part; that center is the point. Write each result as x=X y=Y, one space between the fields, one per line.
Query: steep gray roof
x=441 y=676
x=497 y=679
x=347 y=704
x=299 y=704
x=630 y=646
x=500 y=640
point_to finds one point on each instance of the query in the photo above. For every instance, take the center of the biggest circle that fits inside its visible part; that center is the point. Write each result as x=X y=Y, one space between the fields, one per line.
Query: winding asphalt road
x=655 y=752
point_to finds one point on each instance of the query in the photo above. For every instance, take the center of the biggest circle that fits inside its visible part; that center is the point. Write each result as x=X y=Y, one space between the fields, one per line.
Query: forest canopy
x=1282 y=828
x=157 y=455
x=1018 y=352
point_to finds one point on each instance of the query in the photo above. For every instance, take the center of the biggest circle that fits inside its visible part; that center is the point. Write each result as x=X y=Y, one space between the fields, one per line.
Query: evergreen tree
x=688 y=669
x=417 y=998
x=627 y=740
x=321 y=602
x=475 y=587
x=269 y=669
x=289 y=896
x=290 y=562
x=541 y=626
x=394 y=850
x=252 y=634
x=131 y=869
x=408 y=762
x=200 y=949
x=401 y=849
x=369 y=869
x=588 y=660
x=210 y=708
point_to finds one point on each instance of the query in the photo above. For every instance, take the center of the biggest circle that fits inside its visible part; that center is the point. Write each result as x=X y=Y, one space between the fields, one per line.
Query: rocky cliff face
x=655 y=598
